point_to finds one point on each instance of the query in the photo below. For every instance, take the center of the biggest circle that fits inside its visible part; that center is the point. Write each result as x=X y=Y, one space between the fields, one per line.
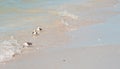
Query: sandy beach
x=75 y=34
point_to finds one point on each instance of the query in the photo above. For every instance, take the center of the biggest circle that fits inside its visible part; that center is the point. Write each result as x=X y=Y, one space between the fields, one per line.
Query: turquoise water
x=14 y=13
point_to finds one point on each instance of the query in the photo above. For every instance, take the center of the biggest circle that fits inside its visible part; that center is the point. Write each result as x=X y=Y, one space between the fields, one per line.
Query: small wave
x=68 y=14
x=8 y=49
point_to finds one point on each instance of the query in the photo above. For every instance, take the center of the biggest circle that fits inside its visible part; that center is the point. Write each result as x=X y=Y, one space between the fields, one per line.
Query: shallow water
x=76 y=22
x=96 y=35
x=17 y=14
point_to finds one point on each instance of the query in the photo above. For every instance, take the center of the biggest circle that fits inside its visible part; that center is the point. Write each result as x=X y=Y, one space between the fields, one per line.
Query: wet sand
x=102 y=57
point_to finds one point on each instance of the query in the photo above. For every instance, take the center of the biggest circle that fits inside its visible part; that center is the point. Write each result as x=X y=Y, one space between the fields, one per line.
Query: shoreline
x=74 y=35
x=47 y=37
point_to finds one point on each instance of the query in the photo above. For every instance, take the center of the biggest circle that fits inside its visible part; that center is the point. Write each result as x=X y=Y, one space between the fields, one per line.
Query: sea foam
x=8 y=49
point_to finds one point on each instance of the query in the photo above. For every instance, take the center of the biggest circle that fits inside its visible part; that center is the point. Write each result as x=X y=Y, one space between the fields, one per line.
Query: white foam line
x=67 y=14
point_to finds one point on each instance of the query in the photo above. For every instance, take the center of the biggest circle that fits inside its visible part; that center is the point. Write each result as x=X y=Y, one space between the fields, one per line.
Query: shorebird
x=38 y=29
x=35 y=33
x=27 y=44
